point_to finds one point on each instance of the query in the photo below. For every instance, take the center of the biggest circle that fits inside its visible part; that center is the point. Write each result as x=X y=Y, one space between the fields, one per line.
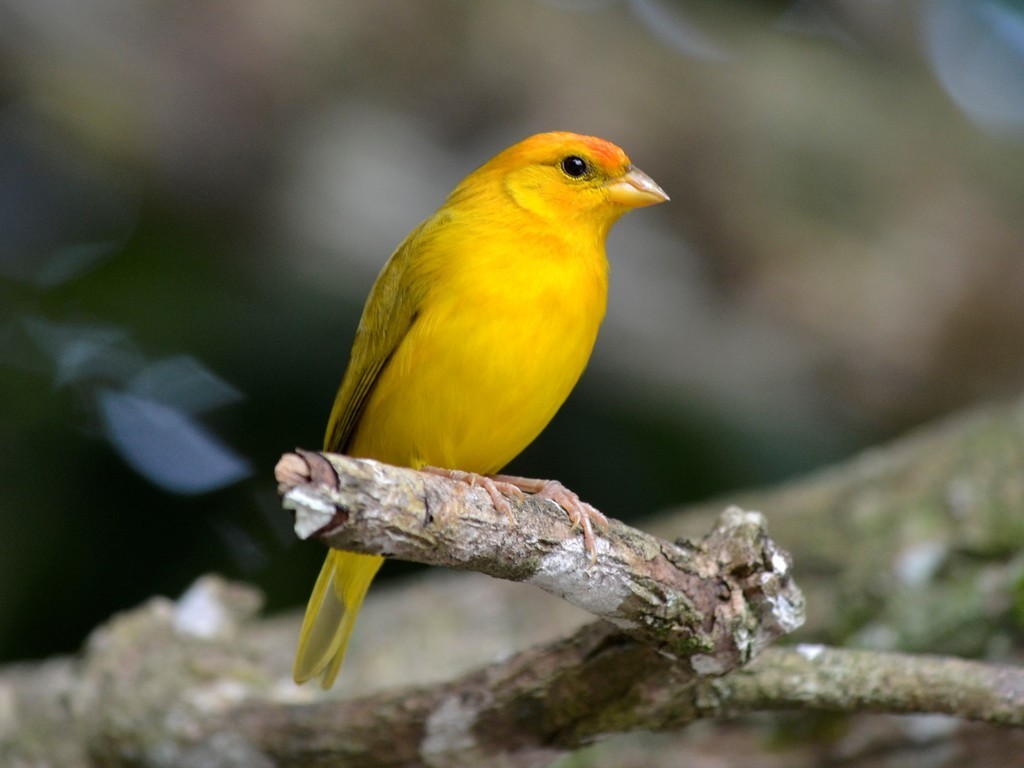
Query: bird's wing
x=390 y=311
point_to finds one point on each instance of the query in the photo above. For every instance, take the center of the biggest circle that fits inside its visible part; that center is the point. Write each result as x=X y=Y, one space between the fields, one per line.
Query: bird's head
x=568 y=178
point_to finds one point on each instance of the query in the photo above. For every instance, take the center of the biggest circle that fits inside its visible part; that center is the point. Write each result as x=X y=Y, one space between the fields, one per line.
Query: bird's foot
x=581 y=514
x=497 y=488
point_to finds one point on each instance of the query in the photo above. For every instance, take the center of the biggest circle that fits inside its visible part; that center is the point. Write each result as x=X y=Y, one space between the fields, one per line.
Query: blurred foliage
x=196 y=198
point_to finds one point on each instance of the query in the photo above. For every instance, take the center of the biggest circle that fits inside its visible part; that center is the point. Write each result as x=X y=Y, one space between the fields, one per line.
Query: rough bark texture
x=716 y=603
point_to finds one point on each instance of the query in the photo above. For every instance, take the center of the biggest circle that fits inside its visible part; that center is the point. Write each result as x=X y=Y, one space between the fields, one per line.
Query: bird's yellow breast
x=498 y=342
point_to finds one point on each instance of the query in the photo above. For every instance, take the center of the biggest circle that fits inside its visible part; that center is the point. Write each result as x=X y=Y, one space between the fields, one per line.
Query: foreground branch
x=717 y=603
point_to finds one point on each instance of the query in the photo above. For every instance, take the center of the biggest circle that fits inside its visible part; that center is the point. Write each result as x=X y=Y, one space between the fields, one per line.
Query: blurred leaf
x=184 y=383
x=168 y=447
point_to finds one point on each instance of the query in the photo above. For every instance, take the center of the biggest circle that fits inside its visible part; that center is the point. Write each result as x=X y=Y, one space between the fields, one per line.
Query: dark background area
x=195 y=199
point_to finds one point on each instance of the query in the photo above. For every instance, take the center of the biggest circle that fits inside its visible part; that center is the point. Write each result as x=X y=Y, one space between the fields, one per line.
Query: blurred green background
x=196 y=198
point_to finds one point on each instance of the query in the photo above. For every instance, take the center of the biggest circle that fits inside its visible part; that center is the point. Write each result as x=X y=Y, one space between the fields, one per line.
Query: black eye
x=575 y=166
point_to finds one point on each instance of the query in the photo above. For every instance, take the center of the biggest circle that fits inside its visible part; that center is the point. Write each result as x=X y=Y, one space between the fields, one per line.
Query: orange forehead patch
x=604 y=152
x=543 y=145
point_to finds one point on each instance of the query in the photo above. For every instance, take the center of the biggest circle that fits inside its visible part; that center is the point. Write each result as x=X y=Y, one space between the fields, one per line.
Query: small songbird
x=475 y=332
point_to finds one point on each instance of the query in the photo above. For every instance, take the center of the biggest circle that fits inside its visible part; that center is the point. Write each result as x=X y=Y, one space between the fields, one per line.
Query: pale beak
x=635 y=189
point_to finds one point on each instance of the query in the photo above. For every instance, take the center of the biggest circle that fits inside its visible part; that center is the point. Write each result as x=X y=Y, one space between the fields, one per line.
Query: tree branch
x=565 y=695
x=717 y=603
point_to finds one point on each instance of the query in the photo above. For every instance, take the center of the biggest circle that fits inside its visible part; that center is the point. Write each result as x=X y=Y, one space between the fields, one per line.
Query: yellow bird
x=475 y=332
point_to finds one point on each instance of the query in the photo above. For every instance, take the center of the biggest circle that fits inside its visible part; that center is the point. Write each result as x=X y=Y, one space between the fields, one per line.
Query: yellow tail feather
x=331 y=614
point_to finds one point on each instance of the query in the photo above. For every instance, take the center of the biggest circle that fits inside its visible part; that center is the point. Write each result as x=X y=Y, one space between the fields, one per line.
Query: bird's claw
x=581 y=515
x=496 y=489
